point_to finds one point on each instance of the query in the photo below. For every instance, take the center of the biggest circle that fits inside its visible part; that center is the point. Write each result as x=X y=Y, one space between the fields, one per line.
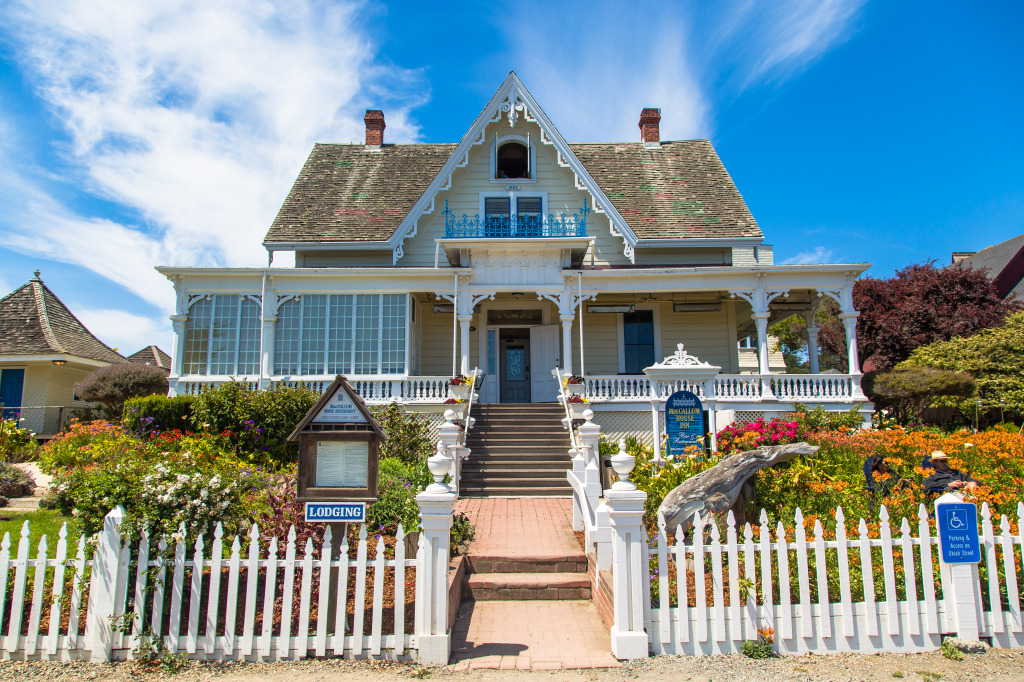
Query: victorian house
x=513 y=253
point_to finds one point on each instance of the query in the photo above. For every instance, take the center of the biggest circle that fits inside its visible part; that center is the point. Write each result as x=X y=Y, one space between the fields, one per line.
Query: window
x=637 y=341
x=341 y=334
x=222 y=336
x=749 y=342
x=526 y=220
x=513 y=161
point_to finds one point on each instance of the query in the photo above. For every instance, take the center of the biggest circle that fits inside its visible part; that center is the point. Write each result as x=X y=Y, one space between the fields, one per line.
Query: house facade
x=513 y=253
x=44 y=351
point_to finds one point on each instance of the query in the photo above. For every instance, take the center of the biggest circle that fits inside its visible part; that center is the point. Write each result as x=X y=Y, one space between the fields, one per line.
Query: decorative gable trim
x=512 y=100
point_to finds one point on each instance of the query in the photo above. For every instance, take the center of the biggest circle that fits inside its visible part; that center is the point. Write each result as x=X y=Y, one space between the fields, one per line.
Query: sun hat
x=939 y=454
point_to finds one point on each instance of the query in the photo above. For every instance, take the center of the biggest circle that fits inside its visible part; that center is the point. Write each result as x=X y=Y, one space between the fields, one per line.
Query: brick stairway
x=518 y=450
x=526 y=597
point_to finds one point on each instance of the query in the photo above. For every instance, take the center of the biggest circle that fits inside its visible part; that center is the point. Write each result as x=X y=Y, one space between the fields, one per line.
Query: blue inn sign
x=325 y=512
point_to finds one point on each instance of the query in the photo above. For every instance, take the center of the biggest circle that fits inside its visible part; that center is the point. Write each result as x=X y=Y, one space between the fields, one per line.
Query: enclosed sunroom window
x=327 y=334
x=222 y=336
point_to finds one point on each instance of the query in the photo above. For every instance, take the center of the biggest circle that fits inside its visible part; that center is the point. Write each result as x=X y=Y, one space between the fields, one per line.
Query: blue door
x=11 y=383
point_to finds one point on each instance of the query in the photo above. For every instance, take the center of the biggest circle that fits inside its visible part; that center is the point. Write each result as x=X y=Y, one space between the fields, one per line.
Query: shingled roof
x=346 y=193
x=33 y=321
x=151 y=355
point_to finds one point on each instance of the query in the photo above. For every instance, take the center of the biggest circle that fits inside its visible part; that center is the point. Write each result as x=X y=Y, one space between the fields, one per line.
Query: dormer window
x=513 y=161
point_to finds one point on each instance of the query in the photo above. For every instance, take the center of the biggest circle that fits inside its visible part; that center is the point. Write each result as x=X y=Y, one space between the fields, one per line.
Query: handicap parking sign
x=958 y=532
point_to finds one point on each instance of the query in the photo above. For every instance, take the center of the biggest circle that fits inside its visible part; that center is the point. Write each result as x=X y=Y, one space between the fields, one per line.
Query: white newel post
x=590 y=439
x=448 y=434
x=630 y=583
x=567 y=321
x=434 y=641
x=963 y=589
x=464 y=321
x=103 y=588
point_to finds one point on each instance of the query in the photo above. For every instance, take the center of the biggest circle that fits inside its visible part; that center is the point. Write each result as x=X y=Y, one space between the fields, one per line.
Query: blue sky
x=168 y=132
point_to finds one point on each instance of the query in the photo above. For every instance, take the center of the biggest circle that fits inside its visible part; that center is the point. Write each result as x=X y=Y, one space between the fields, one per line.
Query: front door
x=515 y=365
x=544 y=358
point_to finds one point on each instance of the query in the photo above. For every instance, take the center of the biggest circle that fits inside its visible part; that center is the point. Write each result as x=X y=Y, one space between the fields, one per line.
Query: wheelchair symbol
x=957 y=519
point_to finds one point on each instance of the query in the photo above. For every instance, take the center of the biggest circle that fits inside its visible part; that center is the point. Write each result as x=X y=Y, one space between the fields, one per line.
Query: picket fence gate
x=828 y=622
x=113 y=604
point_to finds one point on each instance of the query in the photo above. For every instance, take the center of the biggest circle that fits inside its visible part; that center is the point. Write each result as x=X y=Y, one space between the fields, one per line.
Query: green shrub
x=112 y=385
x=820 y=419
x=17 y=444
x=408 y=434
x=909 y=390
x=257 y=422
x=397 y=486
x=11 y=475
x=158 y=413
x=758 y=649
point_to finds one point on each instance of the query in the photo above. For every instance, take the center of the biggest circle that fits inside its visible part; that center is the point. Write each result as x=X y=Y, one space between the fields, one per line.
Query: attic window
x=513 y=161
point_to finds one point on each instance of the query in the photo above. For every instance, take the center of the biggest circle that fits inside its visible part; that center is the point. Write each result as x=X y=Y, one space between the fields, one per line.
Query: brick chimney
x=374 y=121
x=650 y=135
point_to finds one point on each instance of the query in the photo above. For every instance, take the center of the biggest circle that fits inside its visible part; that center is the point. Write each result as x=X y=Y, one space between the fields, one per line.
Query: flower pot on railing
x=577 y=406
x=575 y=389
x=456 y=406
x=460 y=391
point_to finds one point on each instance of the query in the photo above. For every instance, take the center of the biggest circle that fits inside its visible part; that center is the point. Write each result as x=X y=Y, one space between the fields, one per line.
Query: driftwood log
x=727 y=485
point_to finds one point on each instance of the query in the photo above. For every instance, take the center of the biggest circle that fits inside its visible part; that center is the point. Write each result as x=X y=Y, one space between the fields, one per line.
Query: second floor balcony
x=516 y=226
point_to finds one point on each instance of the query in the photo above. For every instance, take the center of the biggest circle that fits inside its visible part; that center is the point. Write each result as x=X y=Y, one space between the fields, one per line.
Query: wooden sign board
x=339 y=447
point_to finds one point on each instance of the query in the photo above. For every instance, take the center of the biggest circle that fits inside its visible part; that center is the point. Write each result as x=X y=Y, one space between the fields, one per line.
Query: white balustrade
x=374 y=390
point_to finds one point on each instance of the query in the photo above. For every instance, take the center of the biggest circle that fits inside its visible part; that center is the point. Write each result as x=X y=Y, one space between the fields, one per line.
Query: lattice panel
x=620 y=424
x=434 y=419
x=747 y=416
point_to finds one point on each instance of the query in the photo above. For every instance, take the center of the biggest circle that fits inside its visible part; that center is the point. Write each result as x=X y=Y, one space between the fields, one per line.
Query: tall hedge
x=159 y=413
x=994 y=357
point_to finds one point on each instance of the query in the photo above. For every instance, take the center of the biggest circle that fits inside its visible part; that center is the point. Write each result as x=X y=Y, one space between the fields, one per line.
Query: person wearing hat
x=944 y=478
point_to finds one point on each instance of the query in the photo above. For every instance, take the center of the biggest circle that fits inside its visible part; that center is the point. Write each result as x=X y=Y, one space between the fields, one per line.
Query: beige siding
x=650 y=256
x=705 y=335
x=359 y=258
x=50 y=387
x=436 y=346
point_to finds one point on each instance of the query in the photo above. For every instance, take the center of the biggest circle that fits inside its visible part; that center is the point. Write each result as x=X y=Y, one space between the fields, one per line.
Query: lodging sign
x=958 y=532
x=351 y=512
x=684 y=422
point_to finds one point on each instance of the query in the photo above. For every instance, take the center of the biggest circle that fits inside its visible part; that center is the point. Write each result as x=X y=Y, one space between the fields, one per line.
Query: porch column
x=178 y=326
x=850 y=324
x=812 y=342
x=267 y=347
x=464 y=321
x=567 y=321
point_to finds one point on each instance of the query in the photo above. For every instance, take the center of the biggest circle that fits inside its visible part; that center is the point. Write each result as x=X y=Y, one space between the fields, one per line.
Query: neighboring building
x=44 y=352
x=514 y=252
x=1004 y=263
x=151 y=355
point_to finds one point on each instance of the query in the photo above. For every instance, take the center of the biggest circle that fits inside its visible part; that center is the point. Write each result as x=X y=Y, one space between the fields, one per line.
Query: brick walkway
x=527 y=526
x=534 y=634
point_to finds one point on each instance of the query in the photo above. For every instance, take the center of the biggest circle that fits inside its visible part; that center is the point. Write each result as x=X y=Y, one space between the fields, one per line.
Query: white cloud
x=124 y=331
x=595 y=75
x=817 y=255
x=195 y=115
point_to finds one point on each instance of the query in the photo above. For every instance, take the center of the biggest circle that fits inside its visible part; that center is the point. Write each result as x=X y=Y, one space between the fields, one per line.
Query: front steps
x=517 y=450
x=496 y=578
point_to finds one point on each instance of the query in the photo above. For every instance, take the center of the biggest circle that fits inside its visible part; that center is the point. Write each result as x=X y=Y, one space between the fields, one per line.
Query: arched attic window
x=513 y=161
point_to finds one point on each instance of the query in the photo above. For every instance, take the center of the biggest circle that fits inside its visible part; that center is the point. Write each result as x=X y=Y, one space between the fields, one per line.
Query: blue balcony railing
x=517 y=226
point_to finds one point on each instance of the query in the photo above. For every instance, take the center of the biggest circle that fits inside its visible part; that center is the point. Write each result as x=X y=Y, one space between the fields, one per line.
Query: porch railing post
x=590 y=439
x=433 y=638
x=631 y=585
x=106 y=564
x=448 y=433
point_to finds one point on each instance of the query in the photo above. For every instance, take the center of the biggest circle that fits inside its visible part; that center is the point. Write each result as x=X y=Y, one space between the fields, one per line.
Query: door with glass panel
x=515 y=365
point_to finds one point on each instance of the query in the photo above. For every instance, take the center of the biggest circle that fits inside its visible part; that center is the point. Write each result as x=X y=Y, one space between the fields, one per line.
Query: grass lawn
x=40 y=522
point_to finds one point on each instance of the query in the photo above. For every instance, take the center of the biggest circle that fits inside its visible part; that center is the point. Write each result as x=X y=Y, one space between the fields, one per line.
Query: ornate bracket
x=681 y=358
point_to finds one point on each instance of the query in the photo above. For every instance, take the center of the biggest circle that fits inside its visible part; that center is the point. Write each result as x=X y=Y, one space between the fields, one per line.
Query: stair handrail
x=474 y=374
x=562 y=386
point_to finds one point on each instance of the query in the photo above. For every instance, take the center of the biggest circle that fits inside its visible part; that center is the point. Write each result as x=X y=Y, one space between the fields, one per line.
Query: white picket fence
x=240 y=605
x=823 y=619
